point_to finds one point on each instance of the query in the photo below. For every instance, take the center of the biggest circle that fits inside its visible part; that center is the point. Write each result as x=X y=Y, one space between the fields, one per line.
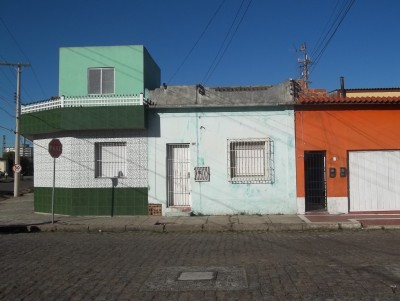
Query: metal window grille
x=202 y=174
x=101 y=81
x=178 y=175
x=110 y=159
x=250 y=160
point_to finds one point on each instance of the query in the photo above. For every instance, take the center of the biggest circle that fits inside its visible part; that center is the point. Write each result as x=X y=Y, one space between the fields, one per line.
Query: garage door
x=374 y=180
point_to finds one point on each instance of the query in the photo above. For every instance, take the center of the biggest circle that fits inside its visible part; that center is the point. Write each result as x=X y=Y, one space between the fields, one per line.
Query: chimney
x=342 y=89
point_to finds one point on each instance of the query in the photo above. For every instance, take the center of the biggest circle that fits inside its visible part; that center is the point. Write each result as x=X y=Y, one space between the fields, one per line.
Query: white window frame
x=250 y=160
x=110 y=160
x=101 y=89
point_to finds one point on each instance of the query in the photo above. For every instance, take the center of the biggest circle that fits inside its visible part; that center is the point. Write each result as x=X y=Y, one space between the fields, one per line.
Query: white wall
x=207 y=134
x=75 y=167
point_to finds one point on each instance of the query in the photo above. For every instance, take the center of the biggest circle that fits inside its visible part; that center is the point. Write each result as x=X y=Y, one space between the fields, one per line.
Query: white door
x=178 y=174
x=374 y=180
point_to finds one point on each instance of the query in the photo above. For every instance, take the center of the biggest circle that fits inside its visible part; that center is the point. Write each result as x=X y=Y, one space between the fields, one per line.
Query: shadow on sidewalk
x=15 y=229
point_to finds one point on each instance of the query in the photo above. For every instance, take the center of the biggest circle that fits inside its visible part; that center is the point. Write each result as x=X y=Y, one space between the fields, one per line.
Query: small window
x=110 y=159
x=101 y=81
x=250 y=161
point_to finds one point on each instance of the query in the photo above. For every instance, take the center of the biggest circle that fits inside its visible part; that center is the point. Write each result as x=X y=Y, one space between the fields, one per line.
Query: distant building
x=3 y=166
x=24 y=150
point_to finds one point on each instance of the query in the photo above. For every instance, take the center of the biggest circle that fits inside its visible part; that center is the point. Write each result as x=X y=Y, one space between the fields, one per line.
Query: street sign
x=17 y=168
x=55 y=148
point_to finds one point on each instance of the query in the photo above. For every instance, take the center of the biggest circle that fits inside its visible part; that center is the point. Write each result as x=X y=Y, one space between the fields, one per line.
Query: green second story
x=100 y=88
x=107 y=70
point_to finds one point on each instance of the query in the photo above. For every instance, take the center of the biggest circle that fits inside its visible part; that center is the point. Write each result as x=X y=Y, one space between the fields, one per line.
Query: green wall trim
x=83 y=118
x=92 y=201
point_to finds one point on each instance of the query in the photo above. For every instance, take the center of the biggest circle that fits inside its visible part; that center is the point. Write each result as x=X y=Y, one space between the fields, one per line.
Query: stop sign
x=55 y=148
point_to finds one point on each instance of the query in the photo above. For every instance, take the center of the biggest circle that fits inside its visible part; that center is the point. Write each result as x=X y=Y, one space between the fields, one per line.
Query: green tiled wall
x=83 y=118
x=92 y=201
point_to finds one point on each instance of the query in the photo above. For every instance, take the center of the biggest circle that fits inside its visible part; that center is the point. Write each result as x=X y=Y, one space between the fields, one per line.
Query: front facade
x=100 y=119
x=226 y=150
x=348 y=152
x=130 y=145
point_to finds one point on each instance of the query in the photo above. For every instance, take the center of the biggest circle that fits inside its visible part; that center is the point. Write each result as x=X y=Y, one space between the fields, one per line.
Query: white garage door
x=374 y=180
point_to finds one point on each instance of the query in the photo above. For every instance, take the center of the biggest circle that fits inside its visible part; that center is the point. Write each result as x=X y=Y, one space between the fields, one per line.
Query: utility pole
x=4 y=144
x=304 y=65
x=17 y=117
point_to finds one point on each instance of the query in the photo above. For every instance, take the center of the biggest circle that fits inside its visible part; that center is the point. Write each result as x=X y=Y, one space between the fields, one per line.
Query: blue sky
x=262 y=51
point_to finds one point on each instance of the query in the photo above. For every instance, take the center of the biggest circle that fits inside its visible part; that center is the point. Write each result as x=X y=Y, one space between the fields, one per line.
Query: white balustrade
x=85 y=101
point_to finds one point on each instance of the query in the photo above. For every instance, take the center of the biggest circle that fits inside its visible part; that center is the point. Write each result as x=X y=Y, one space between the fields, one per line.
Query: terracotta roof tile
x=320 y=99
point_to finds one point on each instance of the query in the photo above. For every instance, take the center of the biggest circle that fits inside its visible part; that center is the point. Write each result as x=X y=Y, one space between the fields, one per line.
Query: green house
x=100 y=119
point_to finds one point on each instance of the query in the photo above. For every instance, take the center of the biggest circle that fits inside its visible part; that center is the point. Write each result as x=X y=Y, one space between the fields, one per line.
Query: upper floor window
x=101 y=80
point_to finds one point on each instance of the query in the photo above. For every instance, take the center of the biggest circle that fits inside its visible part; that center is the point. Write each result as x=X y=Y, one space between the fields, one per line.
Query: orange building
x=348 y=150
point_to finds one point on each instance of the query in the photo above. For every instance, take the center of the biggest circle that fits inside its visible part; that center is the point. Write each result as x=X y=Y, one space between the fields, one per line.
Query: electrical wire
x=198 y=40
x=223 y=42
x=338 y=21
x=209 y=74
x=24 y=54
x=7 y=129
x=325 y=31
x=9 y=114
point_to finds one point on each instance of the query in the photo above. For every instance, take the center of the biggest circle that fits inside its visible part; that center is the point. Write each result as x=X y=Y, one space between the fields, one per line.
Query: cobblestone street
x=359 y=265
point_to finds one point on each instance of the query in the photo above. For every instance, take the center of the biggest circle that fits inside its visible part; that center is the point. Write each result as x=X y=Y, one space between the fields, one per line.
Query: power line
x=325 y=31
x=7 y=129
x=342 y=15
x=198 y=40
x=228 y=44
x=223 y=42
x=23 y=53
x=9 y=114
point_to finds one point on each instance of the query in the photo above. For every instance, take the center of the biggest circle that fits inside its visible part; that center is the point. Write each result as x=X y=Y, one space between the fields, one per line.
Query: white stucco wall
x=75 y=167
x=207 y=134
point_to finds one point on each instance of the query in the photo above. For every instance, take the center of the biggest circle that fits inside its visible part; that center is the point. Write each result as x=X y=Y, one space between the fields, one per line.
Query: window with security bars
x=101 y=81
x=110 y=159
x=250 y=161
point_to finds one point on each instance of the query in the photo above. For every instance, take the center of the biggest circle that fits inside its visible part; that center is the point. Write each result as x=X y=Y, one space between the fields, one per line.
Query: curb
x=192 y=228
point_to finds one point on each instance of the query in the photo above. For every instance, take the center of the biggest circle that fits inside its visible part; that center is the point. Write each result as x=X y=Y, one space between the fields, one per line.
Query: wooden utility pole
x=17 y=167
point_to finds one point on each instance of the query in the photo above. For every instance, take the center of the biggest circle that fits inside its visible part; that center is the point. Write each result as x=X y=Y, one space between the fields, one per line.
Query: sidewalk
x=16 y=215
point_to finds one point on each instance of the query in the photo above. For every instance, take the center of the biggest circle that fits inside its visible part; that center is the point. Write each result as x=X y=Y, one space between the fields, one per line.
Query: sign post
x=17 y=168
x=55 y=150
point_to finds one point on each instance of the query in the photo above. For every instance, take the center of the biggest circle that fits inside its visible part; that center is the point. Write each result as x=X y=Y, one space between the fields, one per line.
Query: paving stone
x=250 y=227
x=345 y=265
x=184 y=228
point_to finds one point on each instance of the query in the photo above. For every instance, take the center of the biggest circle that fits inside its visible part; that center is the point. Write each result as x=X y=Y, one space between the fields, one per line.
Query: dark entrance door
x=315 y=180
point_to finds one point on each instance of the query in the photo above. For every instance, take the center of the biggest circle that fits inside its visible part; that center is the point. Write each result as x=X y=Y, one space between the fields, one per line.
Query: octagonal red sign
x=55 y=148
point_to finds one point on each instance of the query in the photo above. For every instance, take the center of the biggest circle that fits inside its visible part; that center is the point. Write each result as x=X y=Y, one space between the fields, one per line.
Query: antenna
x=304 y=63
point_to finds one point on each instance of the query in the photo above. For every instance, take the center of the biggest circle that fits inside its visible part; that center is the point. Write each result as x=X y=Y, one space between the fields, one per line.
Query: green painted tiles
x=92 y=201
x=83 y=118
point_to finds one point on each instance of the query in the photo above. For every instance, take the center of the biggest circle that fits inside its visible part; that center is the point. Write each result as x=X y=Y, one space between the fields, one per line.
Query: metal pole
x=52 y=193
x=17 y=113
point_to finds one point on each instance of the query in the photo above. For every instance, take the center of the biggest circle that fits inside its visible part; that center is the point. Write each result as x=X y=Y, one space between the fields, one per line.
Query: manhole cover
x=197 y=276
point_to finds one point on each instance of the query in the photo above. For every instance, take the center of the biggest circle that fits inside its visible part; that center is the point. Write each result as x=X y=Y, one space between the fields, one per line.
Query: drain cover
x=197 y=276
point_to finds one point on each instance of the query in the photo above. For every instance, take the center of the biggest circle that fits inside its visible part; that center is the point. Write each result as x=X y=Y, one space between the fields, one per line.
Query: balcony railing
x=85 y=101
